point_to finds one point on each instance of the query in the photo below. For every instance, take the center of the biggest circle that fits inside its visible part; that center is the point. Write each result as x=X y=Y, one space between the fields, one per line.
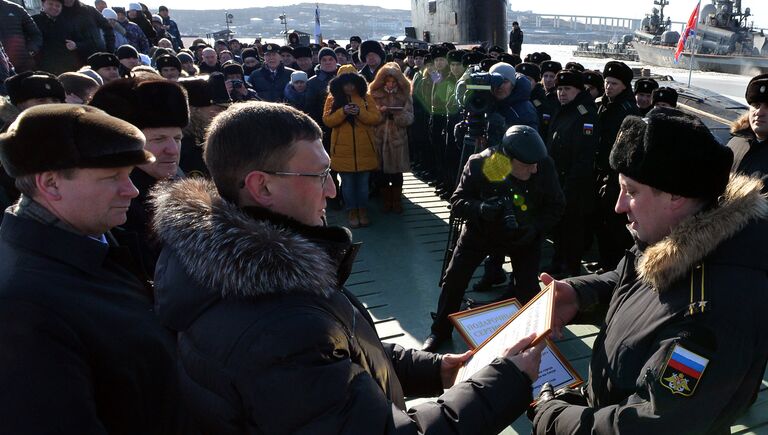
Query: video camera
x=473 y=92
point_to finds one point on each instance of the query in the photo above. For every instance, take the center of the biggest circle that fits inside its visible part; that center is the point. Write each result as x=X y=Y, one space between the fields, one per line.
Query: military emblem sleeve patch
x=588 y=129
x=683 y=371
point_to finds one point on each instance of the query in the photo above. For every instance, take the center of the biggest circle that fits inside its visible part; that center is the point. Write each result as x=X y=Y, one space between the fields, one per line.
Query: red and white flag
x=690 y=29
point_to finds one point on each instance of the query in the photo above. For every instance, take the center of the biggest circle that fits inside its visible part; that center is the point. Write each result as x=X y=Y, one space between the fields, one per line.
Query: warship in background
x=620 y=50
x=723 y=42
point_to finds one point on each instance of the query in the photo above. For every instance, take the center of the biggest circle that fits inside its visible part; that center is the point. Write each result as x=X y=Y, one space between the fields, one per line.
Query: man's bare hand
x=566 y=304
x=527 y=359
x=450 y=365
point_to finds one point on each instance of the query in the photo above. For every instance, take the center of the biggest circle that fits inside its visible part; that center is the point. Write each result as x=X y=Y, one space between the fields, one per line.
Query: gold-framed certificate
x=478 y=325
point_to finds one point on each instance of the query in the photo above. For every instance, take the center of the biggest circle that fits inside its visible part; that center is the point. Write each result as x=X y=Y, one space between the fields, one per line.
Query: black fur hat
x=496 y=49
x=83 y=137
x=673 y=152
x=550 y=66
x=472 y=58
x=206 y=92
x=302 y=52
x=757 y=89
x=167 y=60
x=487 y=63
x=103 y=60
x=371 y=46
x=620 y=71
x=34 y=84
x=144 y=103
x=438 y=51
x=646 y=85
x=530 y=69
x=574 y=66
x=594 y=78
x=455 y=55
x=666 y=95
x=569 y=77
x=511 y=59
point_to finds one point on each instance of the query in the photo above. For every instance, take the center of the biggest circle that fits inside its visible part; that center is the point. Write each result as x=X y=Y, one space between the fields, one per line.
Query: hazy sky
x=679 y=10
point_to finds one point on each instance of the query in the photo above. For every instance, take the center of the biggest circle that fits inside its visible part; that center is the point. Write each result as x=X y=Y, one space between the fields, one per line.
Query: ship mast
x=661 y=4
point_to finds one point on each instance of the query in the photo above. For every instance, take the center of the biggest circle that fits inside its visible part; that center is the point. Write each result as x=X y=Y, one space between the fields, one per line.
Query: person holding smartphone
x=392 y=93
x=351 y=113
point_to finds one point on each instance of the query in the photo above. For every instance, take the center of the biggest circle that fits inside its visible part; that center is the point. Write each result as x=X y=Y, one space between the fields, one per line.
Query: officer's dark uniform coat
x=703 y=288
x=572 y=142
x=750 y=156
x=270 y=342
x=612 y=236
x=545 y=107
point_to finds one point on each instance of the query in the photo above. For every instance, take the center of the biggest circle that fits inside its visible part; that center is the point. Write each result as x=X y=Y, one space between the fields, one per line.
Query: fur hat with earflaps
x=672 y=152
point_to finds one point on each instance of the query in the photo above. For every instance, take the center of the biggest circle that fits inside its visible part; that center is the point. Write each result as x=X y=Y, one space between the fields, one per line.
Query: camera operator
x=513 y=100
x=509 y=196
x=510 y=106
x=238 y=88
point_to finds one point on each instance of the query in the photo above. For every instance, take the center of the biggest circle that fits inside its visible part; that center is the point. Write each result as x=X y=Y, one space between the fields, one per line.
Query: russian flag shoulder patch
x=588 y=129
x=683 y=371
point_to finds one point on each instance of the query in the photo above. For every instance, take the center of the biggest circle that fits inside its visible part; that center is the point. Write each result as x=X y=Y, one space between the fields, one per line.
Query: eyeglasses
x=323 y=176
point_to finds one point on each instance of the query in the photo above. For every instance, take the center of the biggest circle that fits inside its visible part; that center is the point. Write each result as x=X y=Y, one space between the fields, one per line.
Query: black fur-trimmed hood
x=248 y=252
x=698 y=236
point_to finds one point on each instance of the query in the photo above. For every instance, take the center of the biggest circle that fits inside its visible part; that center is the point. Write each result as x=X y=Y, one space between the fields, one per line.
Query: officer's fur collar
x=672 y=258
x=242 y=252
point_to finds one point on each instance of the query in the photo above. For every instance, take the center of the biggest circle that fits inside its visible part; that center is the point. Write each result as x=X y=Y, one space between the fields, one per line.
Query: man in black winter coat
x=93 y=32
x=617 y=103
x=515 y=38
x=750 y=141
x=572 y=142
x=510 y=197
x=270 y=80
x=270 y=340
x=82 y=351
x=682 y=345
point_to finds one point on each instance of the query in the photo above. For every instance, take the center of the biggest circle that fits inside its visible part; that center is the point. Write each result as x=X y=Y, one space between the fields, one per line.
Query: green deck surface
x=396 y=273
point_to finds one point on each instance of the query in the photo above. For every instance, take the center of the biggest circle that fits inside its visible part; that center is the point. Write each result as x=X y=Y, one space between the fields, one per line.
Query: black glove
x=546 y=394
x=574 y=396
x=491 y=209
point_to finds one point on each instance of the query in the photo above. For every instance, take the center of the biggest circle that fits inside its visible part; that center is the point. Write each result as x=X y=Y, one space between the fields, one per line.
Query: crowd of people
x=168 y=268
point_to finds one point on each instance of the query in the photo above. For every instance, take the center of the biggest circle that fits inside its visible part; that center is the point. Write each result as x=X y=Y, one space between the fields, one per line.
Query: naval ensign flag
x=690 y=29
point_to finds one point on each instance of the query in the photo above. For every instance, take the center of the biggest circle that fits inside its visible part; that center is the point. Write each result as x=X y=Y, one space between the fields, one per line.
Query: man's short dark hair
x=253 y=136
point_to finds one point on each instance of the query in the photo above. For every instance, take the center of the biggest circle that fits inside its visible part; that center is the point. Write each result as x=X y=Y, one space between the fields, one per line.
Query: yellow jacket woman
x=352 y=148
x=351 y=113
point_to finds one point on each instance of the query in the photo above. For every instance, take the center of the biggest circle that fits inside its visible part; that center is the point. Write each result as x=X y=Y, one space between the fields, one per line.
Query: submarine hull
x=461 y=21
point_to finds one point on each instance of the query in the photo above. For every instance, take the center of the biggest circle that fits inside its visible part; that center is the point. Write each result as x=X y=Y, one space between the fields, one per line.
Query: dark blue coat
x=271 y=87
